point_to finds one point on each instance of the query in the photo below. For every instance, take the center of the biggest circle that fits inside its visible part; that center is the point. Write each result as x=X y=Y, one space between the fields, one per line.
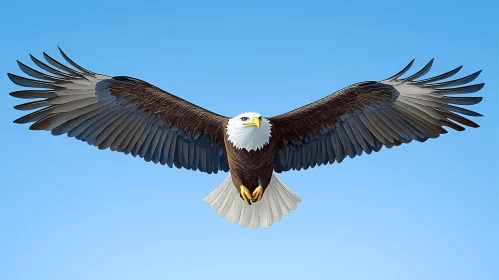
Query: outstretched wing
x=366 y=116
x=121 y=113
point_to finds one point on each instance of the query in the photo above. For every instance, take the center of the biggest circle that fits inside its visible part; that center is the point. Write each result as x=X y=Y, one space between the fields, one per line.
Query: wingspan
x=366 y=116
x=123 y=114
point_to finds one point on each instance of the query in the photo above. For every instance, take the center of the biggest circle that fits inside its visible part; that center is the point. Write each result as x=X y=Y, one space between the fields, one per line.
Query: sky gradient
x=69 y=211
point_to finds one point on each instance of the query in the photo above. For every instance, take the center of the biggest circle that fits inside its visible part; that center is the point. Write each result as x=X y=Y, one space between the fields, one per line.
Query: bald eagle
x=131 y=116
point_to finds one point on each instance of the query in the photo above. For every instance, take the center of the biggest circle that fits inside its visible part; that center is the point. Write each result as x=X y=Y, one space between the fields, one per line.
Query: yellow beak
x=254 y=122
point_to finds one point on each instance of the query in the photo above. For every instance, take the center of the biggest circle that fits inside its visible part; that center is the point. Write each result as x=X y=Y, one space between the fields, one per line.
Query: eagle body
x=131 y=116
x=252 y=168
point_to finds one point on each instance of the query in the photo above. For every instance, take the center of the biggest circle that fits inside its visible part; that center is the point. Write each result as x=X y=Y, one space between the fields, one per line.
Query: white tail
x=277 y=200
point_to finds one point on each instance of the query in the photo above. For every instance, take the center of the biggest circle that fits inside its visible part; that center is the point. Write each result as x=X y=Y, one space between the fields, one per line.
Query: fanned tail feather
x=277 y=201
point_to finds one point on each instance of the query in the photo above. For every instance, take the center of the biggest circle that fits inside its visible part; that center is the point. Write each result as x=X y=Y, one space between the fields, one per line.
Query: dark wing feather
x=366 y=116
x=122 y=113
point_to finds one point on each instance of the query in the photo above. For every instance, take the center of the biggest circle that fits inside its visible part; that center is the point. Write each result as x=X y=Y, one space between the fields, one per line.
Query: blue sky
x=420 y=211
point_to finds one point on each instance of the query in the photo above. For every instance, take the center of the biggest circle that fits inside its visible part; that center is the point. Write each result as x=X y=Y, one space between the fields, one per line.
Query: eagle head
x=249 y=131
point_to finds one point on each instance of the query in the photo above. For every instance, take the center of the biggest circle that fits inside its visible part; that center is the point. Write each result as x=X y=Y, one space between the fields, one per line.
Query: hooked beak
x=253 y=122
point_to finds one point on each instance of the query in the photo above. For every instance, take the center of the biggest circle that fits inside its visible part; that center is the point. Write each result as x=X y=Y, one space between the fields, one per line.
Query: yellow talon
x=258 y=193
x=245 y=194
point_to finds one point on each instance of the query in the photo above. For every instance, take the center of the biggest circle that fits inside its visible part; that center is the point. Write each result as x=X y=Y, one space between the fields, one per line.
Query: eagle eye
x=244 y=119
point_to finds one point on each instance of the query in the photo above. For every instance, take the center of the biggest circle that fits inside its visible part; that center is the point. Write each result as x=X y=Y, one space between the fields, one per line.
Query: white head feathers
x=244 y=133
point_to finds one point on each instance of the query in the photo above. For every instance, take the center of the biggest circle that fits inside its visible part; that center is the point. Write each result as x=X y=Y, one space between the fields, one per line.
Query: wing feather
x=136 y=151
x=153 y=146
x=166 y=147
x=140 y=132
x=124 y=130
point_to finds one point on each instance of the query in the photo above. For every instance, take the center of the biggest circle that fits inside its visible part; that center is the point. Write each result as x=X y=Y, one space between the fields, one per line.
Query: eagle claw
x=257 y=194
x=245 y=194
x=251 y=197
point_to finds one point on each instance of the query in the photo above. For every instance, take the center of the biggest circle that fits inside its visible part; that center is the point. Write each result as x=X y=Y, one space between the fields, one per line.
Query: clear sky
x=419 y=211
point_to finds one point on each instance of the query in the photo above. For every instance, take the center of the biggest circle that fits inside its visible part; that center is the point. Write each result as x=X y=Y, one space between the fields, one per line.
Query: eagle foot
x=245 y=194
x=257 y=194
